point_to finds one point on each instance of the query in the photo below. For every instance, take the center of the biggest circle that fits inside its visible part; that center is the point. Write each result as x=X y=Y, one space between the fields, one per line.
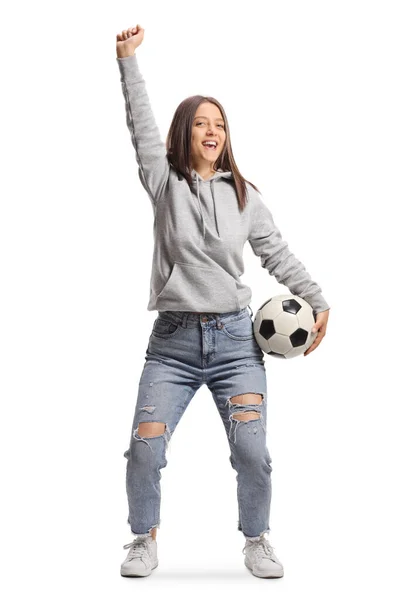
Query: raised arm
x=149 y=148
x=266 y=242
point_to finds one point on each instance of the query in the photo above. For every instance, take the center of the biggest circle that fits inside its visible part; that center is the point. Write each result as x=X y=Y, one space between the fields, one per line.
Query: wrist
x=124 y=54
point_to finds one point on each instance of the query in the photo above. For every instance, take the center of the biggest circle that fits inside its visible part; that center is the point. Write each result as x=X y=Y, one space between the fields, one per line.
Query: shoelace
x=262 y=548
x=137 y=547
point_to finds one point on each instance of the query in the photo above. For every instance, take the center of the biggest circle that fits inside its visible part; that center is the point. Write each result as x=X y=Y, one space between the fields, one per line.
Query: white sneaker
x=141 y=558
x=261 y=560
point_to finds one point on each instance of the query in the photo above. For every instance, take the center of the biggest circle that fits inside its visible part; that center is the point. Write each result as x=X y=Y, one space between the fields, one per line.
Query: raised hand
x=128 y=40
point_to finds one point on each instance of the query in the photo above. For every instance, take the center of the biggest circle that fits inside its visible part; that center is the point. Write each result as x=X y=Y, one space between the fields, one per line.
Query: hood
x=196 y=178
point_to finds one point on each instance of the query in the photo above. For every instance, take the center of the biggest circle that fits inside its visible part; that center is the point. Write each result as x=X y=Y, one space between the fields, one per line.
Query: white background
x=311 y=90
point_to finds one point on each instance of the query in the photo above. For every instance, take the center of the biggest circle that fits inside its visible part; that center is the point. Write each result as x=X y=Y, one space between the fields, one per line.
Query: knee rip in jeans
x=245 y=413
x=151 y=430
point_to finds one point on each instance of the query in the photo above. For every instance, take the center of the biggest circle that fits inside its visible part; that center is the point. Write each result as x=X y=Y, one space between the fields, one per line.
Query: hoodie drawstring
x=215 y=207
x=201 y=210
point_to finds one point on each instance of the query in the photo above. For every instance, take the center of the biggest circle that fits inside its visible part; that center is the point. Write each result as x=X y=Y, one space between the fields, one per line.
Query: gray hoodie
x=199 y=232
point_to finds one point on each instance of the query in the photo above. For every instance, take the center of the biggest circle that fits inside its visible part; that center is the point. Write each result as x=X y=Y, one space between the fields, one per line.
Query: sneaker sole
x=145 y=574
x=270 y=575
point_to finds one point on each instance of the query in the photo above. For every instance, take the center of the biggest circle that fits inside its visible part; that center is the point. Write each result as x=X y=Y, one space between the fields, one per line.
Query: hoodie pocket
x=198 y=289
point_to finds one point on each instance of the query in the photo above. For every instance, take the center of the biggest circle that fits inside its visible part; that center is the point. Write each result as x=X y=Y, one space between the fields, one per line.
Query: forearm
x=266 y=241
x=145 y=136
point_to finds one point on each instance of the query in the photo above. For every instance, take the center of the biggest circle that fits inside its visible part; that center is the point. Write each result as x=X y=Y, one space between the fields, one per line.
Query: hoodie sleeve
x=150 y=150
x=266 y=241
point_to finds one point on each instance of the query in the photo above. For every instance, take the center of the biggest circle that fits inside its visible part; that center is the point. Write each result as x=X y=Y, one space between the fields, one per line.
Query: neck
x=205 y=170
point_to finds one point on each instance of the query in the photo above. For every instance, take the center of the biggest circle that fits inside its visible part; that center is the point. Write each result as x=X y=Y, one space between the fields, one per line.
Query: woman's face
x=208 y=126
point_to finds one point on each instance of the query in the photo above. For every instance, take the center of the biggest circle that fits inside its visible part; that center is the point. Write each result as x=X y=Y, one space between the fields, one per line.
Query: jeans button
x=204 y=319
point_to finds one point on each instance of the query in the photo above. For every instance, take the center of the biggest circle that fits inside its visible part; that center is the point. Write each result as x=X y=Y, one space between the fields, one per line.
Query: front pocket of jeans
x=241 y=330
x=164 y=328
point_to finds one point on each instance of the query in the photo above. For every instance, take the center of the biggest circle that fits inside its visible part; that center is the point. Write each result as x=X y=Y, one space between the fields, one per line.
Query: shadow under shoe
x=141 y=558
x=261 y=560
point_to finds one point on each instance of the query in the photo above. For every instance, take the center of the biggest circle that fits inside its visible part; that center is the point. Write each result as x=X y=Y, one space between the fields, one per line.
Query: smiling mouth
x=210 y=145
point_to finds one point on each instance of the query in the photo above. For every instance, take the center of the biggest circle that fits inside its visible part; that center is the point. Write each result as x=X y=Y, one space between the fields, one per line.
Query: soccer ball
x=282 y=326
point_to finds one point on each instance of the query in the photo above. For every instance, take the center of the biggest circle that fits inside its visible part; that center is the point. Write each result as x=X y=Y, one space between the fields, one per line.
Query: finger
x=320 y=328
x=314 y=345
x=133 y=30
x=310 y=349
x=317 y=326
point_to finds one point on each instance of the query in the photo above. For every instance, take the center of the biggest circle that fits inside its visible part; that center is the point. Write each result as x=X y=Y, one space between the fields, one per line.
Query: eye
x=219 y=125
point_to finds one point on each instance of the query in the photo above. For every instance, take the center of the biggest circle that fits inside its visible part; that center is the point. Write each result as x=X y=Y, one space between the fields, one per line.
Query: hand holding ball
x=282 y=326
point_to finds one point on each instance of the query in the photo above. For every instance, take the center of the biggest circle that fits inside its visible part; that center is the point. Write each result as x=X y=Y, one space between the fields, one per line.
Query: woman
x=204 y=212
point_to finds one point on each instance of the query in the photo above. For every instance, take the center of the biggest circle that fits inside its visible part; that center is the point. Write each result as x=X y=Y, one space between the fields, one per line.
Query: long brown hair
x=179 y=141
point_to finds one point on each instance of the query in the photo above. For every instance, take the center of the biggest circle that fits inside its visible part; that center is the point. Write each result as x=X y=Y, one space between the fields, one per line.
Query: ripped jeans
x=185 y=351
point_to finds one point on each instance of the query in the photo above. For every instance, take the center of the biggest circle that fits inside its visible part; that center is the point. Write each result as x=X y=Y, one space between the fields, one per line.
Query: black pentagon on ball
x=291 y=306
x=277 y=354
x=299 y=337
x=267 y=328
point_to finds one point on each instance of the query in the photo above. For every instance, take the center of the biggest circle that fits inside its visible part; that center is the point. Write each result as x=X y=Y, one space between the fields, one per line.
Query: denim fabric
x=185 y=351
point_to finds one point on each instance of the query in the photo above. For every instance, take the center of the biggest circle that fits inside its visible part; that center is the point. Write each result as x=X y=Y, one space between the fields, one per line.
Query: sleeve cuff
x=317 y=302
x=129 y=68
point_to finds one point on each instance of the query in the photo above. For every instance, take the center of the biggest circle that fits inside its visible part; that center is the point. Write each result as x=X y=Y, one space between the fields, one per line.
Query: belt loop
x=219 y=324
x=250 y=310
x=184 y=319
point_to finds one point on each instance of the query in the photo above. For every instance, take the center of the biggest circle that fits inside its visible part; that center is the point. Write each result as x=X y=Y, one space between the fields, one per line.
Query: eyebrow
x=200 y=117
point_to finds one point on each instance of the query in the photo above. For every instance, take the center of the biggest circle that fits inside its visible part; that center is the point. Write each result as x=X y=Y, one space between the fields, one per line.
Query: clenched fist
x=129 y=40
